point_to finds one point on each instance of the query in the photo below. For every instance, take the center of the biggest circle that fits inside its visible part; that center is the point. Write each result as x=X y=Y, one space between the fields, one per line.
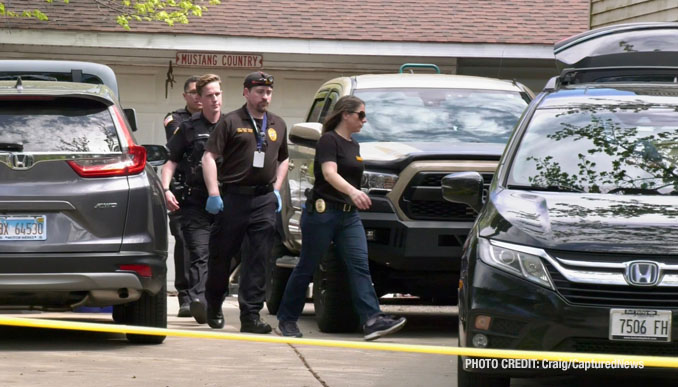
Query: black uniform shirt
x=234 y=140
x=173 y=121
x=190 y=130
x=333 y=147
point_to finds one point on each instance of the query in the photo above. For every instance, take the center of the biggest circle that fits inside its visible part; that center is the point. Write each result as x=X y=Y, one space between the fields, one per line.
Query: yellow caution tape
x=647 y=361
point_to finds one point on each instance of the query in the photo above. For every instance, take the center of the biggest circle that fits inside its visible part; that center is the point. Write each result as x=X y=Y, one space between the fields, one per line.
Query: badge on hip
x=258 y=161
x=320 y=206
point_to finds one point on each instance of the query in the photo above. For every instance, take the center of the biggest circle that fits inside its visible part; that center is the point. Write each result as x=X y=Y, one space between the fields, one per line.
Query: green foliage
x=167 y=11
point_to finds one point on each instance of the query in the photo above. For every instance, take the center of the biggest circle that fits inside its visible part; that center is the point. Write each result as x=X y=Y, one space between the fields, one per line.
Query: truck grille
x=613 y=295
x=423 y=199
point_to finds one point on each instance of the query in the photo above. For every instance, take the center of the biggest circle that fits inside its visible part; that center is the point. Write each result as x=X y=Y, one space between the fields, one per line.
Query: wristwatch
x=165 y=189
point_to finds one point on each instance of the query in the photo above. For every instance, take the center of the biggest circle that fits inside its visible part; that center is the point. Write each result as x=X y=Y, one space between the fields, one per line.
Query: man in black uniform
x=172 y=122
x=252 y=146
x=186 y=149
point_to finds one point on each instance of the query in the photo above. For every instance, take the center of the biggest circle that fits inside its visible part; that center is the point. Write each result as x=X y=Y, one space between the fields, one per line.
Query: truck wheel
x=276 y=277
x=276 y=287
x=149 y=311
x=333 y=313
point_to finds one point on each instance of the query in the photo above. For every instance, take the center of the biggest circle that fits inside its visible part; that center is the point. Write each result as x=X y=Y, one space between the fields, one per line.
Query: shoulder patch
x=168 y=119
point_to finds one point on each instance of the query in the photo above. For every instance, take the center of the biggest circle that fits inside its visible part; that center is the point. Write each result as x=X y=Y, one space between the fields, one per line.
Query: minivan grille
x=613 y=295
x=423 y=199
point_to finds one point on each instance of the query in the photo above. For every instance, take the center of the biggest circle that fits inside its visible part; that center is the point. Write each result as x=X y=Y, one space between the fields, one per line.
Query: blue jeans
x=318 y=230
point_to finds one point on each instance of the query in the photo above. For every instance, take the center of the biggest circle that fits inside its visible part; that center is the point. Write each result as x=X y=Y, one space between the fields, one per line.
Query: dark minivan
x=576 y=248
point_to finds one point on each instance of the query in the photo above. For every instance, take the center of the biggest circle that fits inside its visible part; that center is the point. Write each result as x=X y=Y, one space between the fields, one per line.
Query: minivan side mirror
x=306 y=134
x=156 y=155
x=131 y=115
x=464 y=187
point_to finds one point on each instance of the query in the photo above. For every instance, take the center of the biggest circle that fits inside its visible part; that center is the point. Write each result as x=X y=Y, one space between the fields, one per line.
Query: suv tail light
x=131 y=163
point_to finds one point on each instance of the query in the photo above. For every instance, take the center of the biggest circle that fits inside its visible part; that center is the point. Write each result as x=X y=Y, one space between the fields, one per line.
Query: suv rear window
x=451 y=115
x=73 y=125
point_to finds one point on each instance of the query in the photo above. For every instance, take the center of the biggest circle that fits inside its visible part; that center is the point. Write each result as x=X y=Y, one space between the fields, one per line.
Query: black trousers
x=247 y=221
x=196 y=226
x=180 y=258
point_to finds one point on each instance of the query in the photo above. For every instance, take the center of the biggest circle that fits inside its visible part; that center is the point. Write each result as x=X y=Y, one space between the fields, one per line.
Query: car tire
x=473 y=379
x=333 y=313
x=150 y=311
x=120 y=314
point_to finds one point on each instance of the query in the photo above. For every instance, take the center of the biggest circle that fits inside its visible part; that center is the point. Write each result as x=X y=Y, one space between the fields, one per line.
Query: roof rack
x=654 y=74
x=419 y=66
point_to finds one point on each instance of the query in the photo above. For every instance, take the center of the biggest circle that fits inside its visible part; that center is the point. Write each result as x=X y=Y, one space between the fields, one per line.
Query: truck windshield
x=435 y=115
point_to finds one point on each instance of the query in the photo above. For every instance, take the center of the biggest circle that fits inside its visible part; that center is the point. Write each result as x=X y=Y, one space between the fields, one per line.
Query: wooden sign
x=208 y=59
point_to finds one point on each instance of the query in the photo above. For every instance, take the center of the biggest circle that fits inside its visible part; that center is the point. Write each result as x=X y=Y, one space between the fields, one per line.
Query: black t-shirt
x=333 y=147
x=235 y=141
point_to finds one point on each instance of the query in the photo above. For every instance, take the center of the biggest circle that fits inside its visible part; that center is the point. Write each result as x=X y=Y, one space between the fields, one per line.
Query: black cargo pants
x=247 y=221
x=196 y=227
x=181 y=255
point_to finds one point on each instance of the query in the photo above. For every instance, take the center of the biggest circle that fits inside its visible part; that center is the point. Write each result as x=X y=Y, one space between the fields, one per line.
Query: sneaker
x=184 y=311
x=288 y=329
x=381 y=325
x=254 y=325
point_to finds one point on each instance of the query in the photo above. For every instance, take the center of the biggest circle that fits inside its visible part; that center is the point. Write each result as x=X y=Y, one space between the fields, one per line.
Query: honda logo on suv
x=22 y=161
x=642 y=273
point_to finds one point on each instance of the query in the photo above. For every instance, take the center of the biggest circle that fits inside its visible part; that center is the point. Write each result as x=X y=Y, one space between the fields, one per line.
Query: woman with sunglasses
x=331 y=216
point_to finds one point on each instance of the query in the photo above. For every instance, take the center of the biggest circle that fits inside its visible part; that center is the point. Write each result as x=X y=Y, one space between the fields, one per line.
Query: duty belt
x=252 y=190
x=321 y=204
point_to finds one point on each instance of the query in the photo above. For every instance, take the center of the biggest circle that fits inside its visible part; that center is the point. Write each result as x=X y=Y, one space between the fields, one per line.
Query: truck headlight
x=375 y=181
x=522 y=261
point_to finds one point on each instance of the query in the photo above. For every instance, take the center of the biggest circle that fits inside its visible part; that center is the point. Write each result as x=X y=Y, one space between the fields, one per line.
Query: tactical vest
x=178 y=183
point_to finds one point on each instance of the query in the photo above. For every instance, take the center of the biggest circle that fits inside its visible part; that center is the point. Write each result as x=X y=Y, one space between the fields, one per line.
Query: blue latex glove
x=214 y=205
x=277 y=195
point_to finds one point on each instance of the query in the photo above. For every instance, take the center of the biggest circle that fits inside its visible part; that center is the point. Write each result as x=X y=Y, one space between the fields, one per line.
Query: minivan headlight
x=376 y=181
x=522 y=261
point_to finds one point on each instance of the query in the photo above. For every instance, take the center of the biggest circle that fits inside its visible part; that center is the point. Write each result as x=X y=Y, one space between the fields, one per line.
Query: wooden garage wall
x=607 y=12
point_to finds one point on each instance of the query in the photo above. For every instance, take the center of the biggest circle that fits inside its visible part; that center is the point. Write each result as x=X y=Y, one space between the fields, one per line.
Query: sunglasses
x=361 y=114
x=265 y=80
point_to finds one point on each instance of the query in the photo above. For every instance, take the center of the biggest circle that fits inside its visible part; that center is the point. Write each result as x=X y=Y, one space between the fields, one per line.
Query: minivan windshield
x=58 y=125
x=435 y=115
x=626 y=148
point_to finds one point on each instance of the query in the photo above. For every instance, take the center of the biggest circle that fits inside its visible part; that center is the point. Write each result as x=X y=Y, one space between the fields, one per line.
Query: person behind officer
x=186 y=149
x=172 y=122
x=252 y=144
x=331 y=216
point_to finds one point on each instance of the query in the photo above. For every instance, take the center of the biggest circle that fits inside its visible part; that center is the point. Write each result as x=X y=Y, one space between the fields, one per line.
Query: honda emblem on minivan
x=642 y=273
x=22 y=161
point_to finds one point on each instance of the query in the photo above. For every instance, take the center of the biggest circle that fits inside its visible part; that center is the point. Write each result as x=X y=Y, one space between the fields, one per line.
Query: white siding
x=607 y=12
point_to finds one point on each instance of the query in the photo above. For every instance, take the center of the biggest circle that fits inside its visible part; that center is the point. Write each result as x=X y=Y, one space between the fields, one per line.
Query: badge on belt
x=320 y=206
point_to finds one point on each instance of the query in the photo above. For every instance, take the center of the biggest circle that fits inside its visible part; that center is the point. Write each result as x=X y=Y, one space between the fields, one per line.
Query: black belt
x=252 y=190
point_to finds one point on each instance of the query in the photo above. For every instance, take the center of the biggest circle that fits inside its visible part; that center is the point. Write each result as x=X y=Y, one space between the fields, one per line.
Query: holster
x=310 y=200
